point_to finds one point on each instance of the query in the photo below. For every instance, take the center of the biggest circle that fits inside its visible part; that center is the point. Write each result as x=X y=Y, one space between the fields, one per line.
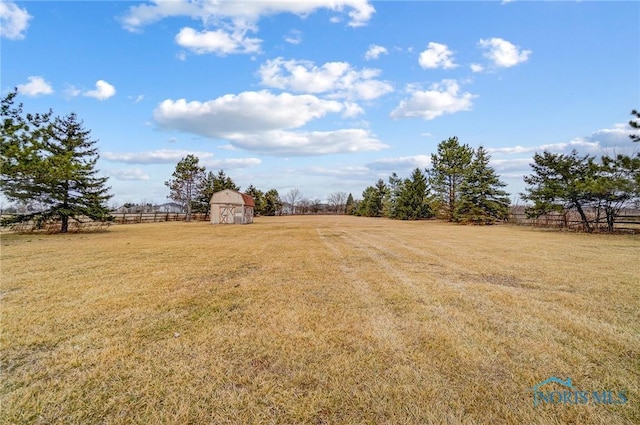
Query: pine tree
x=210 y=184
x=412 y=202
x=222 y=182
x=349 y=206
x=272 y=203
x=482 y=199
x=394 y=186
x=52 y=163
x=258 y=199
x=635 y=124
x=613 y=186
x=450 y=165
x=22 y=151
x=204 y=193
x=187 y=182
x=373 y=200
x=561 y=183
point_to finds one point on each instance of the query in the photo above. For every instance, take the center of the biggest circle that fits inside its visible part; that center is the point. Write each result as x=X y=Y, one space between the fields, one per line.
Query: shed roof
x=246 y=199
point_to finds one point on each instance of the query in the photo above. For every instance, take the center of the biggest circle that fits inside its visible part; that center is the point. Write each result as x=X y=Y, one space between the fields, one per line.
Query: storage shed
x=231 y=207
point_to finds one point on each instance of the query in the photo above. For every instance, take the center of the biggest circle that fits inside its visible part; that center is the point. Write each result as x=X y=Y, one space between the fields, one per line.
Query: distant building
x=231 y=207
x=168 y=207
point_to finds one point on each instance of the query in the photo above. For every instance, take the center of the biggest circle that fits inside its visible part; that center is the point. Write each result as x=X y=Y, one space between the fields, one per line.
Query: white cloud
x=401 y=163
x=247 y=112
x=160 y=156
x=341 y=172
x=502 y=53
x=14 y=21
x=219 y=41
x=514 y=166
x=375 y=51
x=335 y=79
x=578 y=143
x=136 y=99
x=301 y=143
x=129 y=174
x=103 y=91
x=617 y=137
x=261 y=122
x=476 y=67
x=72 y=91
x=442 y=98
x=352 y=110
x=35 y=87
x=226 y=22
x=598 y=143
x=231 y=163
x=437 y=56
x=359 y=11
x=294 y=37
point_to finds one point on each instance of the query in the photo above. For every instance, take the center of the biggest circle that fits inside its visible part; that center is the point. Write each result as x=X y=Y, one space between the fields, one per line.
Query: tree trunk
x=583 y=216
x=64 y=228
x=611 y=218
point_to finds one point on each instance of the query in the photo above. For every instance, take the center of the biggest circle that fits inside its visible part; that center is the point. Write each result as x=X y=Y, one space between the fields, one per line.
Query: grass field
x=317 y=320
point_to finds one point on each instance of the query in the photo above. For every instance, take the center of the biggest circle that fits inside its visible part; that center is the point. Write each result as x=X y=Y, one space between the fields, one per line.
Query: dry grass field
x=317 y=320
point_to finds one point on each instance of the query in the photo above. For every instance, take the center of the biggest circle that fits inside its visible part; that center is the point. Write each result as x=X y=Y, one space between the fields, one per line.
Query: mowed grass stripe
x=497 y=297
x=315 y=320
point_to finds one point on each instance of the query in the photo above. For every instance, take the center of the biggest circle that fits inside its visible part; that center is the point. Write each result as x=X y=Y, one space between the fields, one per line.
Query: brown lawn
x=318 y=320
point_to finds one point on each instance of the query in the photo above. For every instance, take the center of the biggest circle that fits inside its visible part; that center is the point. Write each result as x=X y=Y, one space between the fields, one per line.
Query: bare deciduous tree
x=305 y=205
x=292 y=197
x=337 y=201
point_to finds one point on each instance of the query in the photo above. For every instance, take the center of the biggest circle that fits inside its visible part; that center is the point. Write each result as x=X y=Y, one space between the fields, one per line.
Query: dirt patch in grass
x=312 y=320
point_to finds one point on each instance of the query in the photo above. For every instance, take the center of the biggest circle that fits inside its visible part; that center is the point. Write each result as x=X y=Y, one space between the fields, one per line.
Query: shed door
x=226 y=213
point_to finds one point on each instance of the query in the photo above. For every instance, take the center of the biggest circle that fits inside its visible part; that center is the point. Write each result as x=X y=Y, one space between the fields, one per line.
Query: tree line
x=51 y=162
x=460 y=186
x=192 y=187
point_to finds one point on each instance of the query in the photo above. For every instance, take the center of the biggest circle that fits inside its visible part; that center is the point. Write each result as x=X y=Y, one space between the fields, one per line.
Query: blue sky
x=324 y=95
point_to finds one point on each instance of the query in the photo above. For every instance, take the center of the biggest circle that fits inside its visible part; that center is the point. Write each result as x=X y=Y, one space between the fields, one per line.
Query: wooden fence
x=627 y=222
x=155 y=217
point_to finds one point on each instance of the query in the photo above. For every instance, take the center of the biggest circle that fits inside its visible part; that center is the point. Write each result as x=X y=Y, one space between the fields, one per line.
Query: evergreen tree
x=373 y=200
x=349 y=206
x=482 y=199
x=393 y=192
x=201 y=203
x=635 y=124
x=53 y=164
x=186 y=185
x=22 y=151
x=449 y=167
x=412 y=202
x=561 y=183
x=272 y=203
x=222 y=182
x=258 y=199
x=614 y=186
x=210 y=184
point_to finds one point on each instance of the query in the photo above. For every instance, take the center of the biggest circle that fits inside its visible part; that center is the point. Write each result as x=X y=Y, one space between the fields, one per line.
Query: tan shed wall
x=224 y=202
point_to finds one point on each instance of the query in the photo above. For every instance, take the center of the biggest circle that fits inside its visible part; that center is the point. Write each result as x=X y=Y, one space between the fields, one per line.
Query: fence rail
x=156 y=217
x=625 y=223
